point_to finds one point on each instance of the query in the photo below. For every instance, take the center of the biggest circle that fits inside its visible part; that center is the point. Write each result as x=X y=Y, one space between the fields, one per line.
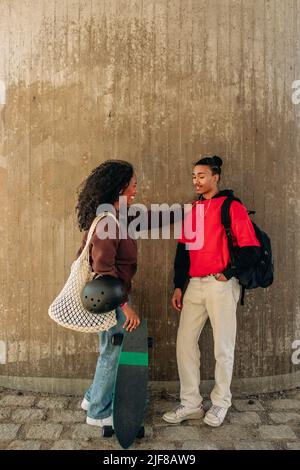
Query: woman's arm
x=82 y=244
x=103 y=258
x=102 y=254
x=153 y=219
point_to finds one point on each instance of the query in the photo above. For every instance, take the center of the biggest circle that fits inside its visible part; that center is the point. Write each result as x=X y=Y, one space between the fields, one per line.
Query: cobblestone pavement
x=36 y=421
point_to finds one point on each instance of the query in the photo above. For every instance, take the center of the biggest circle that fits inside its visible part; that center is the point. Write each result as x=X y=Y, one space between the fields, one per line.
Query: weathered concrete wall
x=158 y=83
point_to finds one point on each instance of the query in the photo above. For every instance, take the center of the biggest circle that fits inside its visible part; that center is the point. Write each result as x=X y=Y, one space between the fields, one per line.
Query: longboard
x=130 y=392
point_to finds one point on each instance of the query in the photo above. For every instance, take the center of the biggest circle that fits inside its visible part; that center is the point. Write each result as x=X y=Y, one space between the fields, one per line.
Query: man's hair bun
x=217 y=160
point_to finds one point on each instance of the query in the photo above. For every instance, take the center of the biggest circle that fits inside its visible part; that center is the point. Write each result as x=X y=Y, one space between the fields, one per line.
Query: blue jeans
x=100 y=393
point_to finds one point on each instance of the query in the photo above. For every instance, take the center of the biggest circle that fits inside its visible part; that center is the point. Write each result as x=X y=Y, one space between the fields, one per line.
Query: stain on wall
x=158 y=83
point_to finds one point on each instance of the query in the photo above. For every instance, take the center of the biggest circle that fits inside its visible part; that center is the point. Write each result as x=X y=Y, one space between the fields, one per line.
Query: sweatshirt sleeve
x=103 y=253
x=83 y=242
x=241 y=226
x=244 y=234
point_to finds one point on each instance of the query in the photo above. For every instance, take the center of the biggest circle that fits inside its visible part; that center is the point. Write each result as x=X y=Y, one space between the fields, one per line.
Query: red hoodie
x=214 y=256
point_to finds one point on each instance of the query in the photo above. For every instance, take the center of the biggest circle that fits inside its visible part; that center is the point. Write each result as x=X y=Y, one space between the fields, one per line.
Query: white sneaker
x=85 y=404
x=107 y=421
x=181 y=413
x=215 y=416
x=99 y=422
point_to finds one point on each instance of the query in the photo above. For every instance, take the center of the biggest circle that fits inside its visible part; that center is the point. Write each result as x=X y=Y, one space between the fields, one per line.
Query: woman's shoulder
x=107 y=228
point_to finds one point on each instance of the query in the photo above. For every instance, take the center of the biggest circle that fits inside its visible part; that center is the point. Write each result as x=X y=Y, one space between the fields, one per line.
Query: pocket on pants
x=223 y=284
x=188 y=295
x=185 y=296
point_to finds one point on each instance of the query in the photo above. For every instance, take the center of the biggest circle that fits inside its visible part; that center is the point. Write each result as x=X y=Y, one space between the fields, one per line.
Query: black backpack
x=261 y=274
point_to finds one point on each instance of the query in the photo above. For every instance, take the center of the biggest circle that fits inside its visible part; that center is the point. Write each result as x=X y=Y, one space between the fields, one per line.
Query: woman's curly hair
x=102 y=186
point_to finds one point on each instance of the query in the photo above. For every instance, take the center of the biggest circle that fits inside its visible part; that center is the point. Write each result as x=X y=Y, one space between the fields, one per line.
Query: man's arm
x=248 y=257
x=181 y=274
x=181 y=266
x=244 y=233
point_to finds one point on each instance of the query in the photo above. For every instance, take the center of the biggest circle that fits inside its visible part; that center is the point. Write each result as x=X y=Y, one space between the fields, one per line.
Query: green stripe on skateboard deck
x=133 y=359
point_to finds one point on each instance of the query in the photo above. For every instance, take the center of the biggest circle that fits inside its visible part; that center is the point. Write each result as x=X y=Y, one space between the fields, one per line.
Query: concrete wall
x=159 y=83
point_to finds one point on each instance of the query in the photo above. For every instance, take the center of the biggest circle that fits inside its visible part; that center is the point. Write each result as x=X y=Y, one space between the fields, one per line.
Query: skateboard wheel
x=117 y=339
x=150 y=341
x=141 y=433
x=107 y=431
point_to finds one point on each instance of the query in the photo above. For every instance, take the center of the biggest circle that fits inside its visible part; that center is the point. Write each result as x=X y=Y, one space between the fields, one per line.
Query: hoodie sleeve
x=181 y=266
x=244 y=235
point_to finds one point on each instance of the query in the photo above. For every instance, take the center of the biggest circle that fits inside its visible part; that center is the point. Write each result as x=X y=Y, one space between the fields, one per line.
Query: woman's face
x=131 y=191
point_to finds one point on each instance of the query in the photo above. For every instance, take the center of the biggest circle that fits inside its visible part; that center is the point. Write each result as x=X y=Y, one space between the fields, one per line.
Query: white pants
x=206 y=297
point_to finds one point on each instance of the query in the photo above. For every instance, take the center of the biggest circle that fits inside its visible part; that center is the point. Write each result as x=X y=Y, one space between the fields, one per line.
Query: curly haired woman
x=110 y=256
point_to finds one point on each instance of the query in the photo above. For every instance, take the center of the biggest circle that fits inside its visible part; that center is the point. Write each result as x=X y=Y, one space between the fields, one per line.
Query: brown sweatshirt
x=117 y=258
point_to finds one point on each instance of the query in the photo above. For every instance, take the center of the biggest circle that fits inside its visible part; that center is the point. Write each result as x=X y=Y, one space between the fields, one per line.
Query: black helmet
x=103 y=294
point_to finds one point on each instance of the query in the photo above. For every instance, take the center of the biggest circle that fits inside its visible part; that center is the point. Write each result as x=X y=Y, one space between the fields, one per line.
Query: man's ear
x=217 y=177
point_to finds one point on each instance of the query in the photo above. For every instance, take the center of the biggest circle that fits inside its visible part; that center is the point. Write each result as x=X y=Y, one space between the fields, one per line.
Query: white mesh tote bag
x=67 y=309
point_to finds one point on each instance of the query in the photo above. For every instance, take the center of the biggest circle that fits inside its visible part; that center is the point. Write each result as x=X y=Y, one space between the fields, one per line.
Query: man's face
x=203 y=179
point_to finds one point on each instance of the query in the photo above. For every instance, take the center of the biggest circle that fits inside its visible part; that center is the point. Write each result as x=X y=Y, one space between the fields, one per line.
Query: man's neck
x=210 y=194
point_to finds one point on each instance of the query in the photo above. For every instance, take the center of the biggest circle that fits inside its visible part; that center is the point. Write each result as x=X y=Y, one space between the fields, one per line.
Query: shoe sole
x=194 y=416
x=213 y=425
x=97 y=425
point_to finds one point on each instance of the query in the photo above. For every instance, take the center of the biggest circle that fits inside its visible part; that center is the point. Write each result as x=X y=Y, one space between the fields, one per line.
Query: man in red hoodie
x=212 y=292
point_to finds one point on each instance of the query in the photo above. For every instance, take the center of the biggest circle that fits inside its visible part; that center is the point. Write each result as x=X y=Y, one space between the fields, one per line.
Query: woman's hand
x=176 y=299
x=221 y=278
x=132 y=319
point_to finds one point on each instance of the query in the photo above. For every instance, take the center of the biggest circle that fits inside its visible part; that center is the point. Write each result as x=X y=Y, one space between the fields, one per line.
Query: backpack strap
x=225 y=218
x=243 y=295
x=226 y=221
